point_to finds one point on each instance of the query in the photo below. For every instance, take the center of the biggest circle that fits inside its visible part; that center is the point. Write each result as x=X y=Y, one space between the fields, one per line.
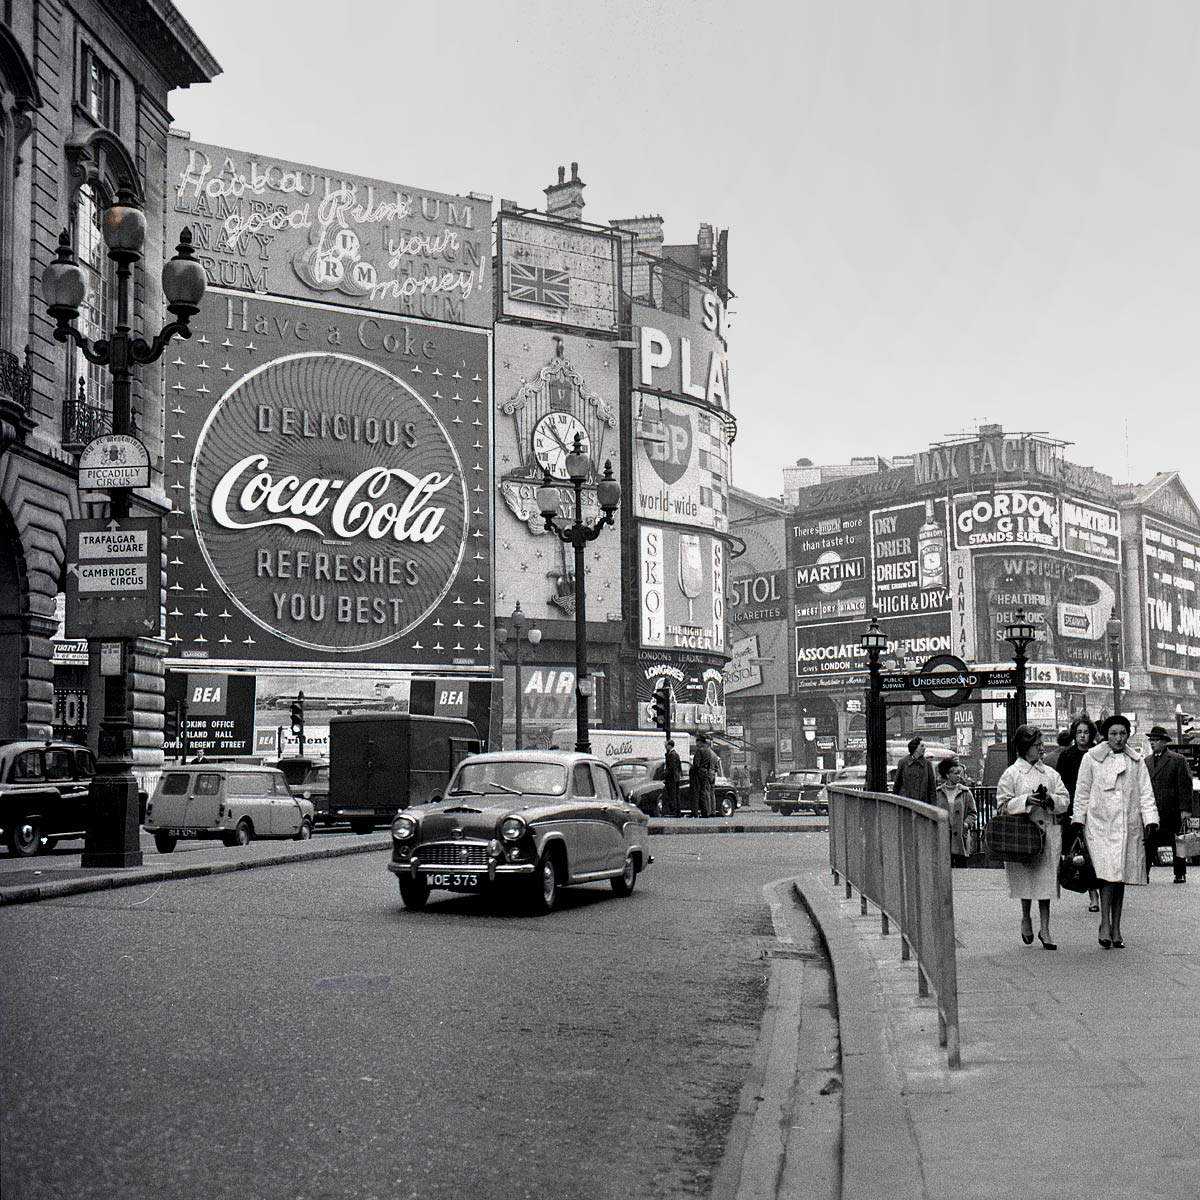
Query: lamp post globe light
x=112 y=832
x=874 y=642
x=577 y=535
x=519 y=630
x=1114 y=645
x=1020 y=633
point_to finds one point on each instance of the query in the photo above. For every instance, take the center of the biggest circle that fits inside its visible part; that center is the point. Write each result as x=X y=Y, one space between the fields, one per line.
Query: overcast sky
x=940 y=213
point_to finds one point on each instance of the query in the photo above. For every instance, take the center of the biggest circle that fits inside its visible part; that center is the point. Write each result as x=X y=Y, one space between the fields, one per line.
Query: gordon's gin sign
x=336 y=495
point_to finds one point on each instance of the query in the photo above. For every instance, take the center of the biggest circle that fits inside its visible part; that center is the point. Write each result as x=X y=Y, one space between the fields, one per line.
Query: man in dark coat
x=1171 y=779
x=671 y=772
x=914 y=775
x=703 y=779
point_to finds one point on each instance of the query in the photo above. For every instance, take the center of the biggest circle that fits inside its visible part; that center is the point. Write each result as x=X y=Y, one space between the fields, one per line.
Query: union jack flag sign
x=539 y=285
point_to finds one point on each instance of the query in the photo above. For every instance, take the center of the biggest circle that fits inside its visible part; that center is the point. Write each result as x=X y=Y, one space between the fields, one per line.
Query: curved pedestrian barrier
x=896 y=853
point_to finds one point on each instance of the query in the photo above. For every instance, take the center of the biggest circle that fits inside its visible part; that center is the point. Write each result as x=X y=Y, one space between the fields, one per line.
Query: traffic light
x=175 y=724
x=661 y=707
x=1185 y=725
x=298 y=715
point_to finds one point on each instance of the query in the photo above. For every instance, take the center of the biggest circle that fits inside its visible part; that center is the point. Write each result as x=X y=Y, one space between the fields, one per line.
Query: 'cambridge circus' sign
x=329 y=502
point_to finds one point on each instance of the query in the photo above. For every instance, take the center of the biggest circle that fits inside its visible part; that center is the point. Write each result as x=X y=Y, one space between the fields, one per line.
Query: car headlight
x=404 y=828
x=512 y=829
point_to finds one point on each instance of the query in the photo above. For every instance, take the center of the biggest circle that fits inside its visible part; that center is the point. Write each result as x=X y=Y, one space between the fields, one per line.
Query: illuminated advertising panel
x=551 y=387
x=828 y=559
x=559 y=273
x=684 y=356
x=909 y=559
x=681 y=465
x=682 y=589
x=289 y=229
x=330 y=478
x=1006 y=517
x=697 y=691
x=1090 y=530
x=1172 y=576
x=1067 y=601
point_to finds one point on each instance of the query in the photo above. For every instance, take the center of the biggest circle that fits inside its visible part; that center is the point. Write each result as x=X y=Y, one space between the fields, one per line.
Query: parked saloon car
x=798 y=791
x=43 y=793
x=641 y=781
x=309 y=779
x=531 y=821
x=231 y=801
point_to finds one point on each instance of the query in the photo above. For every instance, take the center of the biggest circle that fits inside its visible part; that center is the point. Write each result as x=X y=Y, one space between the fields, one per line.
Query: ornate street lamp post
x=578 y=534
x=874 y=642
x=1114 y=647
x=112 y=832
x=518 y=628
x=1020 y=634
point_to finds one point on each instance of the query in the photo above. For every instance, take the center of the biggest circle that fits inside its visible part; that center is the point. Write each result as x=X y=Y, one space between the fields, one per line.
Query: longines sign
x=335 y=490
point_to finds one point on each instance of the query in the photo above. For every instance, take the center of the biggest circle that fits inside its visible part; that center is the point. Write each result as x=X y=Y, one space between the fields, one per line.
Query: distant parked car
x=44 y=788
x=641 y=780
x=309 y=779
x=528 y=820
x=234 y=802
x=798 y=791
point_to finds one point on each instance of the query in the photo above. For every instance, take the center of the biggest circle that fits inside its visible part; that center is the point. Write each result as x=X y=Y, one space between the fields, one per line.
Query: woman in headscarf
x=1083 y=738
x=1114 y=802
x=1029 y=786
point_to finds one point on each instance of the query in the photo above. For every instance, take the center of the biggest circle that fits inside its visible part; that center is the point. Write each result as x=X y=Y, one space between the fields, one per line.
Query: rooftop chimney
x=564 y=199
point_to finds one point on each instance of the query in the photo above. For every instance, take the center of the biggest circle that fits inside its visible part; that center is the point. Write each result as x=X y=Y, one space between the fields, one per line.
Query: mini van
x=231 y=801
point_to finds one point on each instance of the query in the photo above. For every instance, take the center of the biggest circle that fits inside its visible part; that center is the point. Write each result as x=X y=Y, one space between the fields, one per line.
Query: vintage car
x=798 y=791
x=309 y=779
x=641 y=782
x=44 y=787
x=528 y=820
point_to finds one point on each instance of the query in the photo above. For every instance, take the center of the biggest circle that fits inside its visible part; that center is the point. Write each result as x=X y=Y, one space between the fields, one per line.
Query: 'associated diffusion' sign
x=261 y=225
x=334 y=472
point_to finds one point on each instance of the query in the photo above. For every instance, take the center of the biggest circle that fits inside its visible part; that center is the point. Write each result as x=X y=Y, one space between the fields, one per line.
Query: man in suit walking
x=1171 y=779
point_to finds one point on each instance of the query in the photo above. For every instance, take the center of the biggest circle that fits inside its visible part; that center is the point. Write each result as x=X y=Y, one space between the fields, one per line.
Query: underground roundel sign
x=329 y=502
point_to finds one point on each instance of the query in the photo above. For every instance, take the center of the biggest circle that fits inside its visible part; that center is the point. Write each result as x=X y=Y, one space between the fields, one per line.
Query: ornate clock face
x=554 y=439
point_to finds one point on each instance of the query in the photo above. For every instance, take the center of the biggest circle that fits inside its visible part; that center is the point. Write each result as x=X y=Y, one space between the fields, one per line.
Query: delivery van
x=382 y=762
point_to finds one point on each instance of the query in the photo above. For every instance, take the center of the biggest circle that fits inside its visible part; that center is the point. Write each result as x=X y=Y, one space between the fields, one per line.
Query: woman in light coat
x=1029 y=786
x=959 y=801
x=1114 y=802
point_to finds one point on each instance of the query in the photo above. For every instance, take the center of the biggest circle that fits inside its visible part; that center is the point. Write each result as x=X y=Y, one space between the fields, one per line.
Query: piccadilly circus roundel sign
x=329 y=502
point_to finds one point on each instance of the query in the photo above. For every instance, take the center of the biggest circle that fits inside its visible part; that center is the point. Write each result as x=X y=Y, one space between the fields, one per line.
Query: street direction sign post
x=114 y=577
x=114 y=460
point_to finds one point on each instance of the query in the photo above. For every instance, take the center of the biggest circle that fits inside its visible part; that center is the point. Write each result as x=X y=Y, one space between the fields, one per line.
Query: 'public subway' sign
x=337 y=492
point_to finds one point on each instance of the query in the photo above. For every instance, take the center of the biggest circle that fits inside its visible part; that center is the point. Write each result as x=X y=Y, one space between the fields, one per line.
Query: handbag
x=1075 y=870
x=1013 y=837
x=1187 y=845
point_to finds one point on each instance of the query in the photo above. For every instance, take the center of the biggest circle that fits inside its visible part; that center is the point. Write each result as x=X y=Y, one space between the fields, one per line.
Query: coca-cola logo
x=329 y=502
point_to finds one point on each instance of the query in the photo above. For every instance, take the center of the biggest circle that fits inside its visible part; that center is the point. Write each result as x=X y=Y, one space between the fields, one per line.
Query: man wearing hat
x=1171 y=779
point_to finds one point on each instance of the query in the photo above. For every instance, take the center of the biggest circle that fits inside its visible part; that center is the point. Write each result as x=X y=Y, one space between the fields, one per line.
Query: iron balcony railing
x=16 y=379
x=83 y=421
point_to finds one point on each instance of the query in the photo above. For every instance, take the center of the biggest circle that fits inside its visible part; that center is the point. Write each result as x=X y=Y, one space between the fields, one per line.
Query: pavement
x=1078 y=1066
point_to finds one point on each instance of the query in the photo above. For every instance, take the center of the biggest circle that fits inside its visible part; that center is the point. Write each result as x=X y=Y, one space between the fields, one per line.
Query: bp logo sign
x=329 y=502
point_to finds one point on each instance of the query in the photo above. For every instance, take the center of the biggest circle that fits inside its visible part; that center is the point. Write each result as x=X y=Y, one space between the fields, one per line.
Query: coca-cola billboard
x=330 y=476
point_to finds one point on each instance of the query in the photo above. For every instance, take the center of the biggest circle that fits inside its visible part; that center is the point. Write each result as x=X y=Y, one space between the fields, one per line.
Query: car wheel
x=544 y=892
x=786 y=810
x=25 y=837
x=726 y=806
x=414 y=893
x=305 y=831
x=242 y=834
x=623 y=884
x=164 y=843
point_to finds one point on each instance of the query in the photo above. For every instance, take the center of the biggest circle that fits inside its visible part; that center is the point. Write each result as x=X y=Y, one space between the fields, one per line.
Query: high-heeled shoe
x=1046 y=945
x=1027 y=938
x=1118 y=944
x=1104 y=942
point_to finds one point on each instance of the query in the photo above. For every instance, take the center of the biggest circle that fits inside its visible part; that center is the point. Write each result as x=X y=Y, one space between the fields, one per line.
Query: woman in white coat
x=1114 y=802
x=1029 y=786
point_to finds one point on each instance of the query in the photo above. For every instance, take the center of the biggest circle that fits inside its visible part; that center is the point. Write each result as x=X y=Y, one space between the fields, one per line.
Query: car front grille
x=453 y=854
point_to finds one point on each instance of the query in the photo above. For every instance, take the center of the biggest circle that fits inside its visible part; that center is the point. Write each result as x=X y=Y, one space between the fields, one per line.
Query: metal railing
x=896 y=852
x=16 y=378
x=82 y=421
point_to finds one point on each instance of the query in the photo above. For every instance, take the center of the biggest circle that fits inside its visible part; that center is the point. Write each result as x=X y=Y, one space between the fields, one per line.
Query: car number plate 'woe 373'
x=456 y=883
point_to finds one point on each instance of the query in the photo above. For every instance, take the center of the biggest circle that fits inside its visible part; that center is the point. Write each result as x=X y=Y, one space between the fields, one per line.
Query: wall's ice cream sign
x=336 y=489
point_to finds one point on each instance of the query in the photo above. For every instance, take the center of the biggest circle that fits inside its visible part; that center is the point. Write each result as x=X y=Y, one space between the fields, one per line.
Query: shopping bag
x=1075 y=870
x=1187 y=845
x=1013 y=837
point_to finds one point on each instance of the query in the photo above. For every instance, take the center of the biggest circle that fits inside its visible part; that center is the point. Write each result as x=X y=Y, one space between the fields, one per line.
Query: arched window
x=89 y=401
